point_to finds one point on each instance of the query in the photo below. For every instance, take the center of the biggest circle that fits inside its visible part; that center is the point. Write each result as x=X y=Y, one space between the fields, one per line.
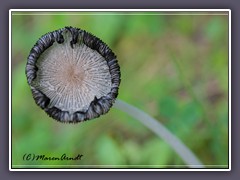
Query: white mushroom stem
x=155 y=126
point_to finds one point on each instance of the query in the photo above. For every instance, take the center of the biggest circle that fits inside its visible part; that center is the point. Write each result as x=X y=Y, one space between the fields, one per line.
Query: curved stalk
x=155 y=126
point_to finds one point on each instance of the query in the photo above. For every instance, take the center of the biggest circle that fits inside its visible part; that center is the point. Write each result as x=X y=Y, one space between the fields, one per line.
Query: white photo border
x=228 y=11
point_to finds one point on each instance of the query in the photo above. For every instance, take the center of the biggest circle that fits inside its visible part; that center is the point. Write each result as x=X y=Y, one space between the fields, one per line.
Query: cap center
x=74 y=75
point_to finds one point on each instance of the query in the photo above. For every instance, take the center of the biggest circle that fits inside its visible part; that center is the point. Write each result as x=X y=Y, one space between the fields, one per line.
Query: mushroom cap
x=73 y=75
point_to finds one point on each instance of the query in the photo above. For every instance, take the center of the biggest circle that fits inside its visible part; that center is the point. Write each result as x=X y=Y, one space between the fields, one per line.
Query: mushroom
x=73 y=75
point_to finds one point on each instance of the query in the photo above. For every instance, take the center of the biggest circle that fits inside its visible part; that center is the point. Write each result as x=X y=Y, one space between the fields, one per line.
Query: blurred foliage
x=174 y=67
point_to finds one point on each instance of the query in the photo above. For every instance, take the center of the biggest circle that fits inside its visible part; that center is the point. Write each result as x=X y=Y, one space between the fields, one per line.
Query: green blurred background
x=174 y=67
